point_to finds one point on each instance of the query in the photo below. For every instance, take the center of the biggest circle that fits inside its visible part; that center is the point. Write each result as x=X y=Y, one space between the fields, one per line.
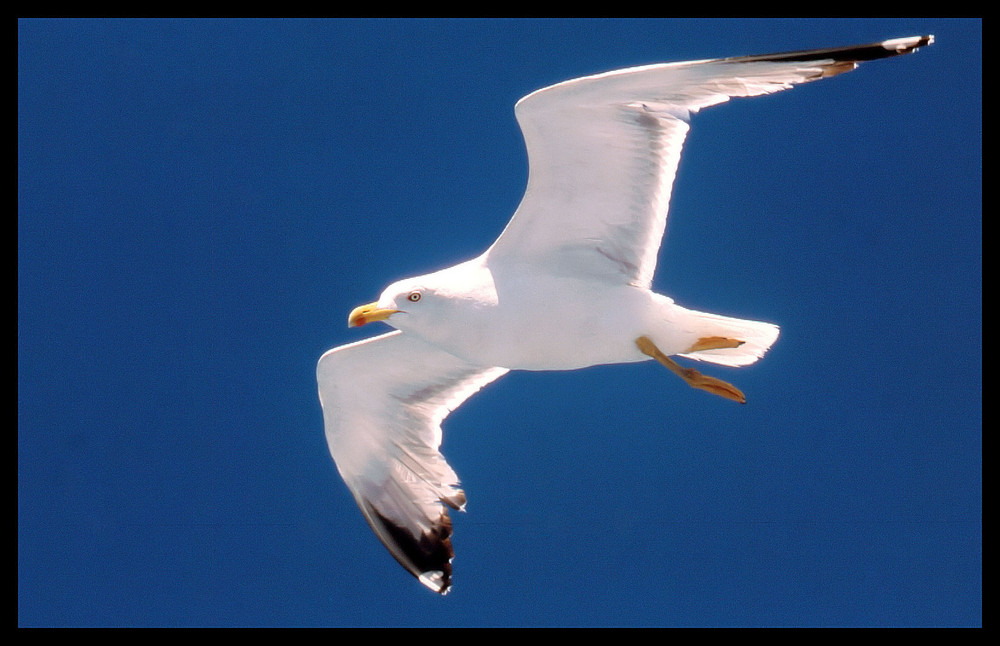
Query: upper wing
x=603 y=151
x=383 y=402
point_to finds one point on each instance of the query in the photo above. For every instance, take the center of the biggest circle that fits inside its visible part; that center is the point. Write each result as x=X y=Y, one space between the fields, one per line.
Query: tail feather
x=757 y=337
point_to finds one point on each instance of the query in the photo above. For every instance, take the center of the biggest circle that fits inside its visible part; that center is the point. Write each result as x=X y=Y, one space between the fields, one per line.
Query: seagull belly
x=556 y=324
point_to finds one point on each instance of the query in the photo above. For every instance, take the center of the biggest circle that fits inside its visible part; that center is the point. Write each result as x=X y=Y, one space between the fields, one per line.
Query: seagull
x=565 y=286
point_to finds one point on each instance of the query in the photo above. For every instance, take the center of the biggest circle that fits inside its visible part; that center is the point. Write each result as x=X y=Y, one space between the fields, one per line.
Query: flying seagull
x=565 y=286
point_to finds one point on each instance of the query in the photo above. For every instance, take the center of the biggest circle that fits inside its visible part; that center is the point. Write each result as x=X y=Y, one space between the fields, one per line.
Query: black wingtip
x=850 y=54
x=428 y=557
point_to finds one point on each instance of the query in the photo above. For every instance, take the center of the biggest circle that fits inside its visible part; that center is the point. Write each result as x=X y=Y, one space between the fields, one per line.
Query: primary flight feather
x=565 y=286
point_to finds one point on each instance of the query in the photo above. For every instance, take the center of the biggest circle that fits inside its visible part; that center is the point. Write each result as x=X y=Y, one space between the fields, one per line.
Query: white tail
x=757 y=337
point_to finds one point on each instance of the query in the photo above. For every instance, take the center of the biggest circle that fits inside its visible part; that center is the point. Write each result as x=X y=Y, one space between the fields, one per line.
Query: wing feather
x=383 y=403
x=603 y=151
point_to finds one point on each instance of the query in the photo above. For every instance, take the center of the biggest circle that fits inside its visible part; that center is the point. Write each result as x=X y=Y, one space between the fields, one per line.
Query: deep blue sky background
x=201 y=202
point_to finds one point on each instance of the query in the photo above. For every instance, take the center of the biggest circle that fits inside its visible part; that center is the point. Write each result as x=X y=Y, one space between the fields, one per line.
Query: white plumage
x=565 y=286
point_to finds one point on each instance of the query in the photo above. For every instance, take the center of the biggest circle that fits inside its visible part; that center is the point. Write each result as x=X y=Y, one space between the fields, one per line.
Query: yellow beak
x=367 y=314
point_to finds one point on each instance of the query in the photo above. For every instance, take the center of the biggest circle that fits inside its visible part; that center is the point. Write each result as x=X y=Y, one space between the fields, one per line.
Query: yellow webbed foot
x=713 y=343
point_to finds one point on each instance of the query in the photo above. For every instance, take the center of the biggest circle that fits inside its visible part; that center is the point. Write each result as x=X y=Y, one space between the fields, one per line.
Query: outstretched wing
x=383 y=403
x=603 y=151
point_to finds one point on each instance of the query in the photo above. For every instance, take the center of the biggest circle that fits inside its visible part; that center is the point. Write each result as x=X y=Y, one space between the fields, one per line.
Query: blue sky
x=202 y=202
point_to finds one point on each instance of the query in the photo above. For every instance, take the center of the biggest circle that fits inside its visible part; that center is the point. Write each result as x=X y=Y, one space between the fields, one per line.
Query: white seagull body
x=565 y=286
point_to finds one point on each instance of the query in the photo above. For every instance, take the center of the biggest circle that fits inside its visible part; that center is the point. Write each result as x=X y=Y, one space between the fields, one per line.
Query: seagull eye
x=413 y=297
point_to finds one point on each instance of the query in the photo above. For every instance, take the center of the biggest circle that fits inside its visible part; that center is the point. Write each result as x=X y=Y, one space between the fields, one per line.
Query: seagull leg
x=691 y=376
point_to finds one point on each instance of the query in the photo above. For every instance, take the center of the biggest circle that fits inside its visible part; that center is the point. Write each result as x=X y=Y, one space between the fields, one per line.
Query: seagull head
x=432 y=304
x=402 y=297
